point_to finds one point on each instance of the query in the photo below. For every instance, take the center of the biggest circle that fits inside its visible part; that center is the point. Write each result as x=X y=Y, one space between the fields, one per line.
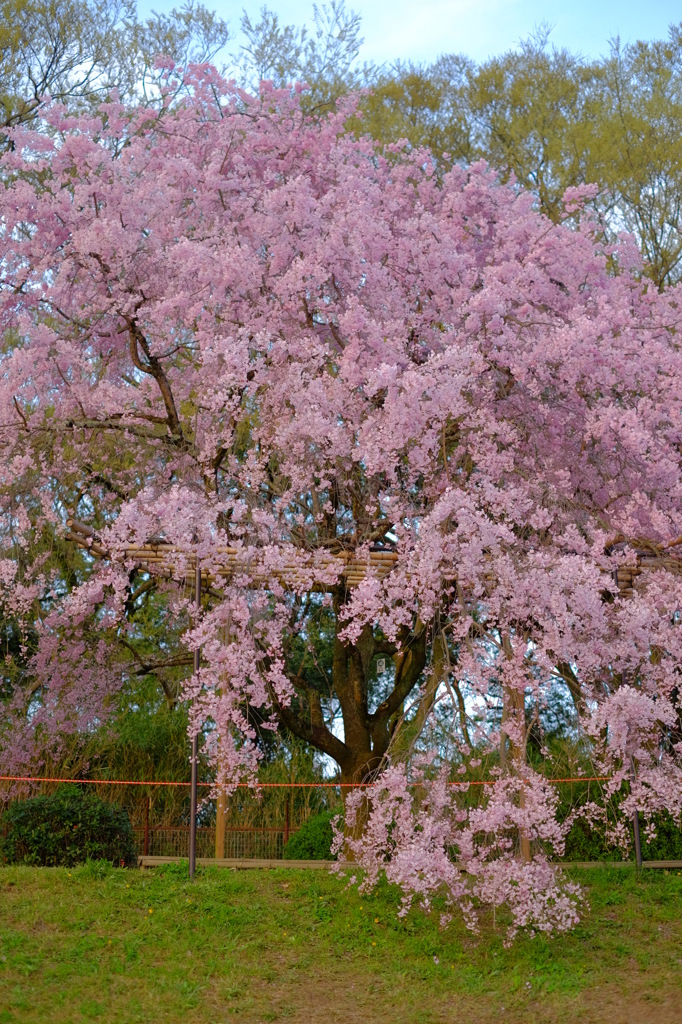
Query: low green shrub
x=667 y=844
x=67 y=828
x=313 y=840
x=589 y=844
x=586 y=843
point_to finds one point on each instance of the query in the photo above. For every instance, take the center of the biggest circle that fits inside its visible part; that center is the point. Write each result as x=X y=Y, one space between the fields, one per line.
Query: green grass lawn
x=97 y=944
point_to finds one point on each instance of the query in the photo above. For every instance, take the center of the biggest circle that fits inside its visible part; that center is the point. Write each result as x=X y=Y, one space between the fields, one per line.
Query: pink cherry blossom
x=230 y=324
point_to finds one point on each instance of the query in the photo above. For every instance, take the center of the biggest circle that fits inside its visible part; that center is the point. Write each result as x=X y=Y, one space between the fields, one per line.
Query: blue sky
x=422 y=29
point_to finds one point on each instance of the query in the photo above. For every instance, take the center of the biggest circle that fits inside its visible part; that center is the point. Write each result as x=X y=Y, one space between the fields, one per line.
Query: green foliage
x=554 y=120
x=427 y=106
x=313 y=840
x=587 y=842
x=148 y=736
x=530 y=111
x=67 y=828
x=635 y=152
x=667 y=843
x=145 y=741
x=584 y=843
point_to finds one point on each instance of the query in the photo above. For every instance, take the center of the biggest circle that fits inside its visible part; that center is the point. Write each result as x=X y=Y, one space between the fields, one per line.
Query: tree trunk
x=366 y=735
x=351 y=779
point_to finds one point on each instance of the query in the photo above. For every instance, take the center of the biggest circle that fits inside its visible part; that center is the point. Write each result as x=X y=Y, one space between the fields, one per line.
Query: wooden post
x=518 y=751
x=146 y=827
x=635 y=822
x=220 y=826
x=286 y=818
x=514 y=709
x=220 y=807
x=524 y=841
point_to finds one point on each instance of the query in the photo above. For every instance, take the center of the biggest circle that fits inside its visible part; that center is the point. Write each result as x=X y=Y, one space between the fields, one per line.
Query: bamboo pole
x=353 y=569
x=170 y=557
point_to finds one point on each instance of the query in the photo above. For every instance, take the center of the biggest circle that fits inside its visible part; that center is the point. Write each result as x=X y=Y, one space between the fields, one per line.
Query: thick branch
x=566 y=673
x=146 y=667
x=318 y=735
x=409 y=666
x=113 y=424
x=412 y=730
x=153 y=367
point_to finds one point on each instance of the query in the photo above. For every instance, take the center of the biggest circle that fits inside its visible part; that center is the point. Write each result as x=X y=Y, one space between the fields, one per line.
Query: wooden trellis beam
x=173 y=562
x=649 y=558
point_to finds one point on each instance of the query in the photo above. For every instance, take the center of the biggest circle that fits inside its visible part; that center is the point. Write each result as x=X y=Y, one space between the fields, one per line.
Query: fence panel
x=242 y=843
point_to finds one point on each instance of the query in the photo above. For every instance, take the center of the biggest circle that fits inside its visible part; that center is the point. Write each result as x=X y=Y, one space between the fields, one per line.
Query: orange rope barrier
x=273 y=785
x=93 y=782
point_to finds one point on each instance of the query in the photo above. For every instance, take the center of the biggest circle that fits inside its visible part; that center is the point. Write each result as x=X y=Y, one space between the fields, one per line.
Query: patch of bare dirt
x=344 y=997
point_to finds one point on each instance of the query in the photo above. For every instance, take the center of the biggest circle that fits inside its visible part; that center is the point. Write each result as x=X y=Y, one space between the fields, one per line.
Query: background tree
x=556 y=120
x=635 y=151
x=530 y=111
x=78 y=51
x=324 y=56
x=427 y=106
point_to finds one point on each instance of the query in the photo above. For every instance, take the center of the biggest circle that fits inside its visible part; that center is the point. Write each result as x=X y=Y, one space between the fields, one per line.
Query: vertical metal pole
x=635 y=823
x=195 y=744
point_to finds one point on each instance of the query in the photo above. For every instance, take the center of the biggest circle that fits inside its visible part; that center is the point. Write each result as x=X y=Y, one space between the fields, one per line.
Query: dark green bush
x=313 y=840
x=67 y=828
x=667 y=844
x=585 y=843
